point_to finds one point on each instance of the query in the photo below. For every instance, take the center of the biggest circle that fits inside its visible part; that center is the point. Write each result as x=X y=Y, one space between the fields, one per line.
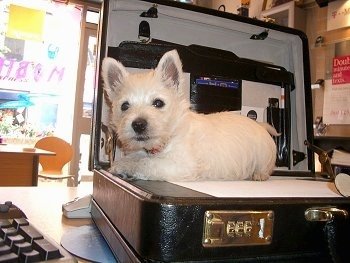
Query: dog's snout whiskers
x=139 y=125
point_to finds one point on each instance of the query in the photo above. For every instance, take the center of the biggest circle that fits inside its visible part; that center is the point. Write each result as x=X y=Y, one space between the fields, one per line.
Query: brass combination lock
x=237 y=228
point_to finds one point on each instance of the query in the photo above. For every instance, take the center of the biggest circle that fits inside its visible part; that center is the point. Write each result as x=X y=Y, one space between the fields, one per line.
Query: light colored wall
x=321 y=58
x=232 y=6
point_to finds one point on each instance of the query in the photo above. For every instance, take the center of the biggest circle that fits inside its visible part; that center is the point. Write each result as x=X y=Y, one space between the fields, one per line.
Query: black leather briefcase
x=293 y=217
x=271 y=221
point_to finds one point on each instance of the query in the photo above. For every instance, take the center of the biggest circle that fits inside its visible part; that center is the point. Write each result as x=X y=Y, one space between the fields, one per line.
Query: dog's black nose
x=139 y=125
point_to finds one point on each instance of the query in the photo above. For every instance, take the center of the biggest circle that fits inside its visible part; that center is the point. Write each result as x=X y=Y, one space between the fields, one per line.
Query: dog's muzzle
x=139 y=125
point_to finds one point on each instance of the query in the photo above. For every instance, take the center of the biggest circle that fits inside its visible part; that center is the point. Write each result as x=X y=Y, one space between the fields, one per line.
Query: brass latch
x=322 y=214
x=237 y=228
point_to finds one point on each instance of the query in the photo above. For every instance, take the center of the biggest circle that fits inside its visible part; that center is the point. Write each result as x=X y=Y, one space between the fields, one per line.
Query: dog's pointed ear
x=169 y=69
x=113 y=74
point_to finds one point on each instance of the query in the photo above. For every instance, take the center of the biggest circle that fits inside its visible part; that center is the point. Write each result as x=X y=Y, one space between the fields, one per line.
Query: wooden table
x=43 y=206
x=19 y=166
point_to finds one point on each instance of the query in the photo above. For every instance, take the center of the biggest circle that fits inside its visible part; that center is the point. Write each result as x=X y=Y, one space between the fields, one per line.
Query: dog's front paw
x=122 y=175
x=260 y=177
x=117 y=171
x=125 y=169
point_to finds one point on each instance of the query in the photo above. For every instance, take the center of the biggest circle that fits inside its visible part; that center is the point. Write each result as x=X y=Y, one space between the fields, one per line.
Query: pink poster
x=341 y=70
x=336 y=106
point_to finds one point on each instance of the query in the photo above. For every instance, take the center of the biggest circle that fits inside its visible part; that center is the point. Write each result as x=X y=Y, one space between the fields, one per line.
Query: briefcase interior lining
x=146 y=221
x=284 y=48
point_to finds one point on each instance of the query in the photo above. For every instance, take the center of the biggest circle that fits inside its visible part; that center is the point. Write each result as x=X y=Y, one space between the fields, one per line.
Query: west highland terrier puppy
x=162 y=139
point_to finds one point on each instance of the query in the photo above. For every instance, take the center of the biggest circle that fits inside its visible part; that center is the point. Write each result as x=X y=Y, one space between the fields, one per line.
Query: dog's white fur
x=175 y=143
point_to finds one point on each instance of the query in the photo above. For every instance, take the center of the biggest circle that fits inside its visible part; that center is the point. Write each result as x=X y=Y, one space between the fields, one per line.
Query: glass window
x=92 y=17
x=39 y=52
x=89 y=77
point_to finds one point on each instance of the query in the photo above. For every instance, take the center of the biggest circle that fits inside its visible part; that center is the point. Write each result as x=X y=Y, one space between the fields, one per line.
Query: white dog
x=162 y=139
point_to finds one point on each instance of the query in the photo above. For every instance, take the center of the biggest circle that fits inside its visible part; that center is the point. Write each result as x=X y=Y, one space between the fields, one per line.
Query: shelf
x=286 y=15
x=329 y=142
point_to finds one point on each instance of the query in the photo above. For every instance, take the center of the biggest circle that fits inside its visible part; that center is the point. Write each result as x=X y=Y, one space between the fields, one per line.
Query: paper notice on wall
x=25 y=23
x=341 y=70
x=338 y=15
x=336 y=107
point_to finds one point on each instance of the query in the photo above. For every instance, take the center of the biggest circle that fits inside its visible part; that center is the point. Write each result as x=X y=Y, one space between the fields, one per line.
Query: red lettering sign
x=341 y=70
x=26 y=71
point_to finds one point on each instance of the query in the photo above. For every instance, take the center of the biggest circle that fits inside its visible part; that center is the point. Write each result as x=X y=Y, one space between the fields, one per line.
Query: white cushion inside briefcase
x=276 y=186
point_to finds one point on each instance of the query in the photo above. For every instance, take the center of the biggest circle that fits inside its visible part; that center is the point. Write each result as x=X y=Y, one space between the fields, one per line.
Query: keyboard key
x=4 y=232
x=30 y=233
x=4 y=249
x=31 y=256
x=10 y=240
x=5 y=223
x=46 y=249
x=9 y=258
x=18 y=222
x=4 y=208
x=19 y=248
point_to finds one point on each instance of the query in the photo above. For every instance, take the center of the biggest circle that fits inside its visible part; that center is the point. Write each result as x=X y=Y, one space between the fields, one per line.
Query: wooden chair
x=52 y=165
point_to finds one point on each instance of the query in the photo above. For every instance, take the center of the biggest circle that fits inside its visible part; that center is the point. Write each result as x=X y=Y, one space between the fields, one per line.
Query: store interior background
x=47 y=71
x=47 y=65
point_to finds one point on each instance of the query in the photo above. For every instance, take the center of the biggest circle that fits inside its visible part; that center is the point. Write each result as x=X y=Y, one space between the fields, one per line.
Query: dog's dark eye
x=125 y=106
x=158 y=103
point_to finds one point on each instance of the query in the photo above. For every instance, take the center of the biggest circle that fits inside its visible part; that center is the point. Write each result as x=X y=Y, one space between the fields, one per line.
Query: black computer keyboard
x=20 y=241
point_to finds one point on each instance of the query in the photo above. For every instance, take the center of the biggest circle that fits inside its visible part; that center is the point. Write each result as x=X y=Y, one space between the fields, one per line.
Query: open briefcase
x=293 y=217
